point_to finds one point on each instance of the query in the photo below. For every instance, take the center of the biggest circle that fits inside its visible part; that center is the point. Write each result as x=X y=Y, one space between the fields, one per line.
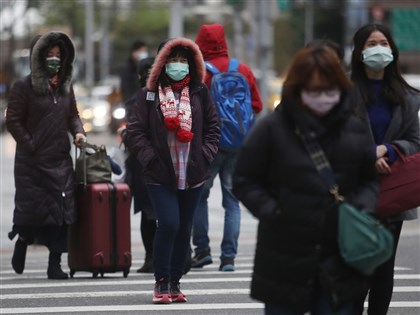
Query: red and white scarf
x=177 y=119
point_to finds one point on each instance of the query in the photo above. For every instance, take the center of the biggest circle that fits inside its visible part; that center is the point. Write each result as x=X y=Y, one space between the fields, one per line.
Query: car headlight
x=87 y=113
x=99 y=111
x=119 y=113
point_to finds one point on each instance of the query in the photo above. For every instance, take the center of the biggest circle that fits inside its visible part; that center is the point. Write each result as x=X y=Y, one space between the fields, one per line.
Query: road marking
x=406 y=289
x=93 y=294
x=396 y=268
x=405 y=304
x=151 y=307
x=115 y=275
x=97 y=294
x=194 y=271
x=407 y=277
x=133 y=271
x=117 y=281
x=118 y=308
x=103 y=282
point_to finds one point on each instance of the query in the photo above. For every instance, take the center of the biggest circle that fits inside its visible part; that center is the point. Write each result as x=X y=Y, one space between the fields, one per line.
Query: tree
x=129 y=21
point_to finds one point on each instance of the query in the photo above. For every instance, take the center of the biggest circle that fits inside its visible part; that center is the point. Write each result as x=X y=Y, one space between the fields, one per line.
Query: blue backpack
x=231 y=94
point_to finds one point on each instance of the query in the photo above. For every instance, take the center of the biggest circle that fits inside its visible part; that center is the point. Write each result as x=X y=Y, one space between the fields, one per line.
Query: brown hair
x=307 y=61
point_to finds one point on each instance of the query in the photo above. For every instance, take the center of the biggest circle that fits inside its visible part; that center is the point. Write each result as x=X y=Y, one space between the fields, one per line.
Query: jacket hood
x=39 y=74
x=162 y=57
x=211 y=40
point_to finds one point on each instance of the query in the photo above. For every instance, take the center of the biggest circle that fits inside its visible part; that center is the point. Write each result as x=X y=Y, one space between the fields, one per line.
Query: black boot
x=54 y=269
x=148 y=265
x=19 y=255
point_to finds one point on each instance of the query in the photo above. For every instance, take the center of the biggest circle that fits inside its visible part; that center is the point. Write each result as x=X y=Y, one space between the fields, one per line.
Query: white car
x=95 y=110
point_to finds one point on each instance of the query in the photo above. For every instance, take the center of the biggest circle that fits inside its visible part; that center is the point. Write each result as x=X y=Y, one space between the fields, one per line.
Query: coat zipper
x=54 y=98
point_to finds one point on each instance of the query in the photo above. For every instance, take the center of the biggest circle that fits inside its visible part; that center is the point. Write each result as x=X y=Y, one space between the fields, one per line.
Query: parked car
x=94 y=109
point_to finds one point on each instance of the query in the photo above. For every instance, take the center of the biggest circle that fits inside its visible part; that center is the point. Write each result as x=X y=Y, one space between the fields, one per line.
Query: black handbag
x=92 y=165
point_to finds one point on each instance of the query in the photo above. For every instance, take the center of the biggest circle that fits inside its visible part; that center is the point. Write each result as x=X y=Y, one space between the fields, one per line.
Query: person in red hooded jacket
x=212 y=42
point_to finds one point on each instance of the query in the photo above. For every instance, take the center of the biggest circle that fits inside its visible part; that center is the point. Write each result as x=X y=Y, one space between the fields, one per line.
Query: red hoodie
x=212 y=42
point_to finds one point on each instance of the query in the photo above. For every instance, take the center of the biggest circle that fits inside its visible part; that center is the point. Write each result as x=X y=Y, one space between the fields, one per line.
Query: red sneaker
x=176 y=294
x=161 y=293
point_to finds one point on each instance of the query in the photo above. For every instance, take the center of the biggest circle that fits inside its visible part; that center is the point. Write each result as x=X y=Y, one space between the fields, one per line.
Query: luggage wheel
x=95 y=274
x=72 y=272
x=125 y=273
x=102 y=274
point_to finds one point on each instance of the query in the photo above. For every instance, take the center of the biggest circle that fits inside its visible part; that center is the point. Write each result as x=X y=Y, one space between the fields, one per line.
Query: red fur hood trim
x=162 y=57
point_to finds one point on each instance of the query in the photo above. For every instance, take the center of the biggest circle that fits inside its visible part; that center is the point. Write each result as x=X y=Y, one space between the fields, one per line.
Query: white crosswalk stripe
x=31 y=293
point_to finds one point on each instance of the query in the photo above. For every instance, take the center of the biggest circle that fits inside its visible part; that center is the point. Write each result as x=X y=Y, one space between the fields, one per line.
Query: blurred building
x=403 y=18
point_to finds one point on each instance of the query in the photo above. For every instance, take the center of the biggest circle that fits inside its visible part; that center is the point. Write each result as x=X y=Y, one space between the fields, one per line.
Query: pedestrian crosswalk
x=208 y=290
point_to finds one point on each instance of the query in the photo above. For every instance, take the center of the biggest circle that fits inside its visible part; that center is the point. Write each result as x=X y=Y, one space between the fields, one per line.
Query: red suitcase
x=100 y=240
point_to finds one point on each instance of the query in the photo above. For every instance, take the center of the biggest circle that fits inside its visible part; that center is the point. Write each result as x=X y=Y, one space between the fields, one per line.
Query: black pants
x=382 y=281
x=52 y=236
x=147 y=230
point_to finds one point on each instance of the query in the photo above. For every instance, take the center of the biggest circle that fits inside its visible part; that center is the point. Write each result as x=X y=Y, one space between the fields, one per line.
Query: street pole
x=176 y=26
x=309 y=21
x=252 y=43
x=265 y=49
x=89 y=58
x=237 y=27
x=105 y=47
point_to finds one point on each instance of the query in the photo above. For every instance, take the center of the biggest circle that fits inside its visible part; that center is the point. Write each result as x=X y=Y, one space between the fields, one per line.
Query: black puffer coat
x=40 y=121
x=277 y=181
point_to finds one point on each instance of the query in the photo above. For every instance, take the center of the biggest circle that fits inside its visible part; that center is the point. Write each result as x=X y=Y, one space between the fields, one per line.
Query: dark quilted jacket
x=278 y=182
x=40 y=122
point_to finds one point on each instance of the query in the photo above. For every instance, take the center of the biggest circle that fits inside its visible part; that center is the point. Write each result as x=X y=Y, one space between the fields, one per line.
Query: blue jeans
x=320 y=307
x=223 y=165
x=175 y=212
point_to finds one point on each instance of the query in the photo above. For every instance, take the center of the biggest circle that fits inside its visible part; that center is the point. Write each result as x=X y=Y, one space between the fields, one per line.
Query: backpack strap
x=233 y=65
x=211 y=67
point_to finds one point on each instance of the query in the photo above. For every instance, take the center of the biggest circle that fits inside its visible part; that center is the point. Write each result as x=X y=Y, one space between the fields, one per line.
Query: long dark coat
x=40 y=120
x=277 y=181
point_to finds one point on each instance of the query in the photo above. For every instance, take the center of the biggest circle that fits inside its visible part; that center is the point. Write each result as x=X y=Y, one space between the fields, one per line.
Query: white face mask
x=142 y=55
x=320 y=102
x=377 y=57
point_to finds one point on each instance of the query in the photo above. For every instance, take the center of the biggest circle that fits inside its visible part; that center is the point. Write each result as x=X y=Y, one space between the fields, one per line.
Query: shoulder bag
x=364 y=243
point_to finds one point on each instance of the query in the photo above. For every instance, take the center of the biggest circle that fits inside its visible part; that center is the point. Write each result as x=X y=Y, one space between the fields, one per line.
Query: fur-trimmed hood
x=162 y=57
x=39 y=74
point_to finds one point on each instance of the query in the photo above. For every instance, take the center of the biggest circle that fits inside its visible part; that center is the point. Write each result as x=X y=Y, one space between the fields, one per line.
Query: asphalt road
x=209 y=291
